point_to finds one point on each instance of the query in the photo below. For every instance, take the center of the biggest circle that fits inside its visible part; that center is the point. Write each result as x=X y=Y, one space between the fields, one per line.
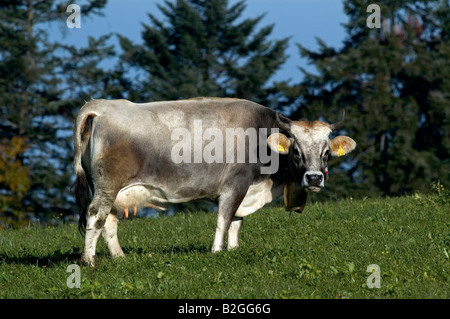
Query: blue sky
x=302 y=20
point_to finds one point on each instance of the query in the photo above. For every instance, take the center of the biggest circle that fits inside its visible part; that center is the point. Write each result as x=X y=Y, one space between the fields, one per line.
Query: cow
x=127 y=155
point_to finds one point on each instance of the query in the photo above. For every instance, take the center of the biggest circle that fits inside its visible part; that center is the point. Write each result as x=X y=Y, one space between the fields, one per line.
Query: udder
x=137 y=196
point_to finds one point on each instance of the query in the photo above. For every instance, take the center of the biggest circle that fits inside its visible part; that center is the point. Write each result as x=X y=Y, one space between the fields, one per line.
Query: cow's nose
x=314 y=179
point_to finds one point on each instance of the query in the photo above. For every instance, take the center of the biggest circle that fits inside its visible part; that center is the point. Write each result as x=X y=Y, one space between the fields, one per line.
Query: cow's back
x=227 y=112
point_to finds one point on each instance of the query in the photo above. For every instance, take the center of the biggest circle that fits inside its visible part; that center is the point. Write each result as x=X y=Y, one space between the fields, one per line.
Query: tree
x=14 y=181
x=202 y=50
x=394 y=83
x=35 y=106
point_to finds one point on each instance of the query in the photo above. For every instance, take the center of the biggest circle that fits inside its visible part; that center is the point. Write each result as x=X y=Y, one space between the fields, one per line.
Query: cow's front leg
x=233 y=232
x=227 y=208
x=109 y=233
x=219 y=238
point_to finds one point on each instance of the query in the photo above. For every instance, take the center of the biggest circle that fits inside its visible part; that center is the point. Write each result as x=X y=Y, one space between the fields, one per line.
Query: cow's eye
x=296 y=152
x=326 y=155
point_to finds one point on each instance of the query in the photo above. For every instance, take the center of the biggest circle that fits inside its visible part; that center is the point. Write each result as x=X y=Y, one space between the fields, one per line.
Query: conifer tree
x=203 y=48
x=394 y=83
x=37 y=102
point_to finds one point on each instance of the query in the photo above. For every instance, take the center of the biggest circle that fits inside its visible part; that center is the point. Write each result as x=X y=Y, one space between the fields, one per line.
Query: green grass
x=323 y=253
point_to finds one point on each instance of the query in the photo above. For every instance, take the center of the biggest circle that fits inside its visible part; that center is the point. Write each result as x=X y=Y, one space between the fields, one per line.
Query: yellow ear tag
x=340 y=151
x=280 y=148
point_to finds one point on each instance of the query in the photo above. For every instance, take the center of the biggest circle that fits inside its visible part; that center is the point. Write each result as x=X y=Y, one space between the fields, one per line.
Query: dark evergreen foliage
x=393 y=82
x=203 y=48
x=38 y=99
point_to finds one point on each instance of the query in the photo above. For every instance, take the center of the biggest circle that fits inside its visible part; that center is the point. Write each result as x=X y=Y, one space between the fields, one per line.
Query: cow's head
x=308 y=146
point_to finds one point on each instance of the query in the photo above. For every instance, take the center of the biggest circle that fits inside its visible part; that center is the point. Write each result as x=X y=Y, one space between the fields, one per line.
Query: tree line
x=393 y=82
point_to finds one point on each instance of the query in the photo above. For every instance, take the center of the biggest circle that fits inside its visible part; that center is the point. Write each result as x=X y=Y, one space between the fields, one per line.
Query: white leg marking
x=219 y=237
x=109 y=233
x=90 y=244
x=233 y=232
x=93 y=231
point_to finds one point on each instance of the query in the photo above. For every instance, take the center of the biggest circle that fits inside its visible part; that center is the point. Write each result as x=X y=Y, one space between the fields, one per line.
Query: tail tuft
x=81 y=193
x=82 y=134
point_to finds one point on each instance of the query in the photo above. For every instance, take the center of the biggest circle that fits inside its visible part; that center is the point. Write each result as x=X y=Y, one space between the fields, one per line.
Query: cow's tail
x=82 y=135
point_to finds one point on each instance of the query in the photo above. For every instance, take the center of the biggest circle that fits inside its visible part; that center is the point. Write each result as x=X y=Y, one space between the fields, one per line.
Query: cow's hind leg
x=99 y=209
x=109 y=233
x=233 y=232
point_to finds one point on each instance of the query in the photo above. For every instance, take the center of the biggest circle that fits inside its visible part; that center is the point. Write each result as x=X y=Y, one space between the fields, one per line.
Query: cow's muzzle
x=313 y=181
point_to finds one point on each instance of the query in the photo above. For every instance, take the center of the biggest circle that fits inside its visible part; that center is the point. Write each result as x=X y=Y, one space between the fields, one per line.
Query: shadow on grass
x=73 y=255
x=186 y=249
x=170 y=250
x=57 y=257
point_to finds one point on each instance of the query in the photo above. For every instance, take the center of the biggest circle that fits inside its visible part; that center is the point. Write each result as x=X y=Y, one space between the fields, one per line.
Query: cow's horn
x=338 y=124
x=281 y=123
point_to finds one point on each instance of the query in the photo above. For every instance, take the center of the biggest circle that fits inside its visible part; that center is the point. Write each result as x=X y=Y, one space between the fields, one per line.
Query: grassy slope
x=323 y=253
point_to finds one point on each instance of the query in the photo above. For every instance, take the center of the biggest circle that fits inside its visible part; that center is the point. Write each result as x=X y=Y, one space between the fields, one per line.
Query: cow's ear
x=279 y=143
x=341 y=145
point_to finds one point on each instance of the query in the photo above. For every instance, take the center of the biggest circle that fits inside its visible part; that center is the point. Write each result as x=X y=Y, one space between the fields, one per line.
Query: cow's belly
x=144 y=195
x=257 y=196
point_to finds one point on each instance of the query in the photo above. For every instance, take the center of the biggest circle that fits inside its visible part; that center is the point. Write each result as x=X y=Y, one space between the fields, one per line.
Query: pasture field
x=322 y=253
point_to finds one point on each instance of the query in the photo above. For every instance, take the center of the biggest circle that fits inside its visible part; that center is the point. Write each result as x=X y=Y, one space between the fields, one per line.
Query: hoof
x=86 y=261
x=216 y=249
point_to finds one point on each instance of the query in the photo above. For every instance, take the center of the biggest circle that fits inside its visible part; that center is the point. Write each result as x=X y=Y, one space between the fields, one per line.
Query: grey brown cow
x=147 y=155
